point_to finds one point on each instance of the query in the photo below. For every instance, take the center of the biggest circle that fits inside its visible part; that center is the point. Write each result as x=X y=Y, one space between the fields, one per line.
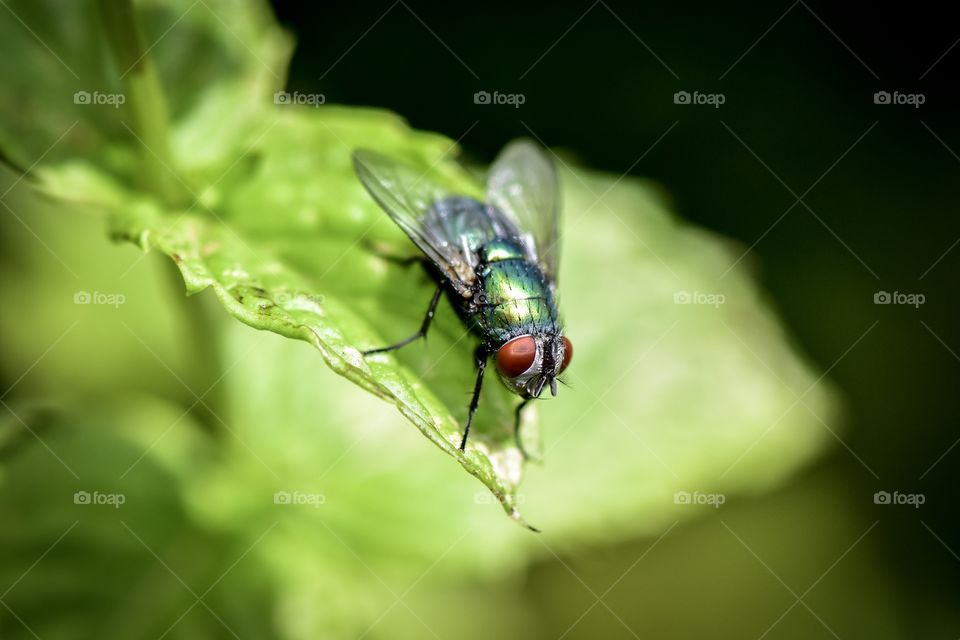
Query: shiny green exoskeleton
x=516 y=297
x=496 y=260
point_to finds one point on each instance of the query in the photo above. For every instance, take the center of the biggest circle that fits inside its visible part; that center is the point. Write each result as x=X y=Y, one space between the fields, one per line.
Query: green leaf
x=61 y=51
x=285 y=245
x=276 y=204
x=283 y=234
x=663 y=398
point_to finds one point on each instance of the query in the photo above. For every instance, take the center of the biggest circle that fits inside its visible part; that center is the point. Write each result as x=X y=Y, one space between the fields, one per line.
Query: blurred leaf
x=97 y=540
x=684 y=379
x=49 y=106
x=93 y=348
x=739 y=568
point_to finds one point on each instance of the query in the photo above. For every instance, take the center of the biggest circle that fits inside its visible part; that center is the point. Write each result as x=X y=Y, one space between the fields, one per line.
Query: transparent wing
x=408 y=196
x=523 y=185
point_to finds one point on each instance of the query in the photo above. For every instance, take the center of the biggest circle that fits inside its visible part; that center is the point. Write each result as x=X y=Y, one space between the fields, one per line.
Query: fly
x=496 y=261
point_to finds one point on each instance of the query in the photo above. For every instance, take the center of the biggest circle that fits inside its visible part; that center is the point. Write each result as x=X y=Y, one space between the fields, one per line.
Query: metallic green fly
x=496 y=261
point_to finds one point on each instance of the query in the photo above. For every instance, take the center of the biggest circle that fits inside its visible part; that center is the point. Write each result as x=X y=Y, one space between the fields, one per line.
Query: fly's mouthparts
x=539 y=387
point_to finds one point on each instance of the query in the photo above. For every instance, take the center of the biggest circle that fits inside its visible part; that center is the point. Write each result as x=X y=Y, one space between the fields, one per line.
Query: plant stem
x=144 y=98
x=147 y=106
x=199 y=336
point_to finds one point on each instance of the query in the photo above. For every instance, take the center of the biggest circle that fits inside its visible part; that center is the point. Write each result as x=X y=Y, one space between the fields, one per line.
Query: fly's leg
x=516 y=428
x=401 y=260
x=404 y=261
x=481 y=356
x=422 y=333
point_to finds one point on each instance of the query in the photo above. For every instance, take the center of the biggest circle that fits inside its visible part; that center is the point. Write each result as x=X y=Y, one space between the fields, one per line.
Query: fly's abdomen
x=513 y=295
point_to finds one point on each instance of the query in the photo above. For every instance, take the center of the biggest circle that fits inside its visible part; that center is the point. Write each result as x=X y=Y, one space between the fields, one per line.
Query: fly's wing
x=523 y=185
x=408 y=197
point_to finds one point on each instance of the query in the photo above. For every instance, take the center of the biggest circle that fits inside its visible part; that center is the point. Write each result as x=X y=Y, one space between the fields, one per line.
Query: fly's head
x=528 y=364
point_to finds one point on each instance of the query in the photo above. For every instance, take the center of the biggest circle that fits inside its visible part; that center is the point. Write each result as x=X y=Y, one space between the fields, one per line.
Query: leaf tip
x=515 y=515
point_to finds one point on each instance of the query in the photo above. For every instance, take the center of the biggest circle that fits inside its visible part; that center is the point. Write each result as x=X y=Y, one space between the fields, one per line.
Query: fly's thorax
x=502 y=249
x=509 y=297
x=513 y=298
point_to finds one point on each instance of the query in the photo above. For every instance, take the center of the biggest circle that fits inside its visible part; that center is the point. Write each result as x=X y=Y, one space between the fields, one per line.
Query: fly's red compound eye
x=516 y=356
x=567 y=353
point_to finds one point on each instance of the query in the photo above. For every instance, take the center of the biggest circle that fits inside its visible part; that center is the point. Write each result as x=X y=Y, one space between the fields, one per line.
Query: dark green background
x=800 y=98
